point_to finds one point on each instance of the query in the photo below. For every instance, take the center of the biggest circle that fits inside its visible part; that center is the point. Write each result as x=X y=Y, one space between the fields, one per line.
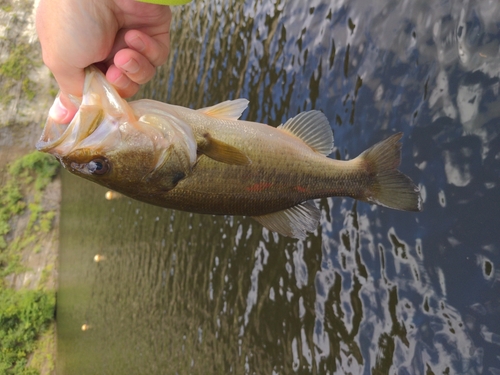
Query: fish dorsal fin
x=313 y=128
x=221 y=151
x=230 y=109
x=293 y=222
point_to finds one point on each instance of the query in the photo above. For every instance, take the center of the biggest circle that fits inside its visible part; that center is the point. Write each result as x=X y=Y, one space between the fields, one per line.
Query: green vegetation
x=18 y=63
x=27 y=175
x=24 y=314
x=37 y=167
x=43 y=356
x=27 y=326
x=6 y=5
x=15 y=70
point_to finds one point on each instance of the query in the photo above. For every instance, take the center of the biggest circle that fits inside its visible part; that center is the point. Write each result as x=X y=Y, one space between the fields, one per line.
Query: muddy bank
x=27 y=91
x=27 y=88
x=38 y=257
x=29 y=222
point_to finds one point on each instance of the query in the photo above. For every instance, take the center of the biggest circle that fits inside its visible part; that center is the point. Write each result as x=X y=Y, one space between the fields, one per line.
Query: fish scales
x=208 y=161
x=293 y=175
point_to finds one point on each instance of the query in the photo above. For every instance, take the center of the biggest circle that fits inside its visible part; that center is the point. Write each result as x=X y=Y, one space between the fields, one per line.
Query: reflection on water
x=374 y=290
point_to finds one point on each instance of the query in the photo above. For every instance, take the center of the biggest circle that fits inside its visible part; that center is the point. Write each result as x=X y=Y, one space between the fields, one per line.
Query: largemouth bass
x=207 y=161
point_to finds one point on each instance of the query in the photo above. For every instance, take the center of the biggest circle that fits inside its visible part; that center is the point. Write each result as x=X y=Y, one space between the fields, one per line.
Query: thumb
x=63 y=109
x=65 y=106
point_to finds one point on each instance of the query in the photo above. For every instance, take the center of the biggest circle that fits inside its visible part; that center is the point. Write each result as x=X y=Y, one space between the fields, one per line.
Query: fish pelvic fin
x=221 y=151
x=313 y=128
x=293 y=222
x=229 y=109
x=389 y=187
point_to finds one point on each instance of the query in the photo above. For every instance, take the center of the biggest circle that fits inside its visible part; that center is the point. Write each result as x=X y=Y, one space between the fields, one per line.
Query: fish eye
x=98 y=166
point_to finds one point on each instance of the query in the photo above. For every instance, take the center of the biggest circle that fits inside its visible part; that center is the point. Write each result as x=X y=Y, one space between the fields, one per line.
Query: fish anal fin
x=313 y=128
x=221 y=151
x=229 y=109
x=293 y=222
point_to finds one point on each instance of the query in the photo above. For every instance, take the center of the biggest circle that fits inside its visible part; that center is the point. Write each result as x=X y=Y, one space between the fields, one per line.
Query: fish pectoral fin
x=221 y=151
x=230 y=109
x=293 y=222
x=313 y=128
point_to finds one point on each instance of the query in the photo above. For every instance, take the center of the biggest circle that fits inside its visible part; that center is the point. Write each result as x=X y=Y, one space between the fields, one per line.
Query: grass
x=27 y=325
x=11 y=204
x=29 y=174
x=6 y=5
x=37 y=168
x=14 y=70
x=43 y=356
x=18 y=62
x=24 y=314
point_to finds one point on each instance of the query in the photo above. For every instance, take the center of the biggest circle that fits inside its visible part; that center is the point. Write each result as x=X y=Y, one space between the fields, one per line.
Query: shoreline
x=32 y=240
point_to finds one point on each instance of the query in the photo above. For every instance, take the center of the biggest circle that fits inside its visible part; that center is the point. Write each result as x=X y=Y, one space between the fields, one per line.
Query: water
x=373 y=291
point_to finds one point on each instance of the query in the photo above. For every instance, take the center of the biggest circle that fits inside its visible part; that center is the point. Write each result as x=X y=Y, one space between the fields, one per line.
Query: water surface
x=372 y=291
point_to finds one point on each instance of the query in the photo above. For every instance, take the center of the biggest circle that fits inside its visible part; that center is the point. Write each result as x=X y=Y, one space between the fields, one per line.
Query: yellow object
x=110 y=194
x=99 y=258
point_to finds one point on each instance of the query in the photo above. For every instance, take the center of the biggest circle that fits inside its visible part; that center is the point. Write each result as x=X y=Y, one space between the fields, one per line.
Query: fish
x=207 y=161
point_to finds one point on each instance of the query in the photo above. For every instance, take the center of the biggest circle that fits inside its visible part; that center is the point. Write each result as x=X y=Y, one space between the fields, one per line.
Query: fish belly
x=253 y=191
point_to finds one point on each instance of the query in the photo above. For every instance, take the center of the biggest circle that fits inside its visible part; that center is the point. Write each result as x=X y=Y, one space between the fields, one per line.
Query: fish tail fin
x=389 y=187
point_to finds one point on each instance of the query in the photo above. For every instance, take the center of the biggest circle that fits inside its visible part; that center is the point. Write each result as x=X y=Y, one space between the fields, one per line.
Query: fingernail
x=58 y=112
x=131 y=66
x=137 y=44
x=121 y=81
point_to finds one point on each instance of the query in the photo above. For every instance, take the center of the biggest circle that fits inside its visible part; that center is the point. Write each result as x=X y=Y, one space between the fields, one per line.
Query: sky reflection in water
x=374 y=290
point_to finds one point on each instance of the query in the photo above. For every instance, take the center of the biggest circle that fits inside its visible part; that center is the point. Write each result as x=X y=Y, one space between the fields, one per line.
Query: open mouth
x=99 y=99
x=60 y=139
x=54 y=134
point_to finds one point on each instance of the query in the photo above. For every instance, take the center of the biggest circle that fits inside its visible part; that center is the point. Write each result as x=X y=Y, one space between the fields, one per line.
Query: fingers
x=131 y=67
x=63 y=110
x=127 y=39
x=70 y=82
x=73 y=34
x=123 y=84
x=137 y=64
x=154 y=48
x=70 y=79
x=134 y=65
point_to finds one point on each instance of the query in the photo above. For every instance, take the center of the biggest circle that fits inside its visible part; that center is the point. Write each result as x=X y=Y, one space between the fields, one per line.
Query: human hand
x=126 y=39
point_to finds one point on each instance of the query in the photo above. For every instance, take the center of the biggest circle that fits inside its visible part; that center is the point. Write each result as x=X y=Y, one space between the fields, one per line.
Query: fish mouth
x=100 y=101
x=54 y=134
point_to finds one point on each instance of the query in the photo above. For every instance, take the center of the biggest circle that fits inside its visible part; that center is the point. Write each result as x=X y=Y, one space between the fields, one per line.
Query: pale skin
x=126 y=39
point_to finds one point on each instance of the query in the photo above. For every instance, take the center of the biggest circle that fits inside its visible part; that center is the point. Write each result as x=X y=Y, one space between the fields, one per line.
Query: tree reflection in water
x=374 y=290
